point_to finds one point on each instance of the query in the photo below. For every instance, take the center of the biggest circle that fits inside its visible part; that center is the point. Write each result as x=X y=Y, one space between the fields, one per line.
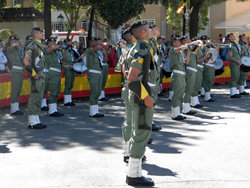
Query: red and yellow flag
x=180 y=9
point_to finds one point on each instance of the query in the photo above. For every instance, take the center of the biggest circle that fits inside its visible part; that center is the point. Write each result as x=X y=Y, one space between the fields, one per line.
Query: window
x=17 y=3
x=150 y=21
x=85 y=26
x=106 y=32
x=58 y=26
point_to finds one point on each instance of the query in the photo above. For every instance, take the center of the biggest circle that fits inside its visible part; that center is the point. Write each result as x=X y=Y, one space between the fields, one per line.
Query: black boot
x=150 y=140
x=140 y=181
x=155 y=127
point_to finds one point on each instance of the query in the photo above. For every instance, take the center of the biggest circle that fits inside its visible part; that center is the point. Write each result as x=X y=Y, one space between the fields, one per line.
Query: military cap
x=13 y=38
x=37 y=29
x=137 y=24
x=175 y=35
x=152 y=26
x=183 y=37
x=126 y=31
x=93 y=39
x=204 y=37
x=175 y=39
x=50 y=40
x=66 y=40
x=194 y=39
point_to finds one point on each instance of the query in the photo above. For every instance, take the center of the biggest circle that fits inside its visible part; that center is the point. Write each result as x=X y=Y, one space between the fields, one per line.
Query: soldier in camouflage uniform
x=178 y=61
x=142 y=103
x=124 y=62
x=243 y=75
x=53 y=61
x=15 y=56
x=155 y=75
x=103 y=57
x=234 y=54
x=94 y=77
x=191 y=71
x=35 y=52
x=68 y=62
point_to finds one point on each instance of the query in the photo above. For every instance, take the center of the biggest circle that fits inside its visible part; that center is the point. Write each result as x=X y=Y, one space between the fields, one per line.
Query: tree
x=2 y=3
x=116 y=12
x=196 y=20
x=69 y=7
x=47 y=18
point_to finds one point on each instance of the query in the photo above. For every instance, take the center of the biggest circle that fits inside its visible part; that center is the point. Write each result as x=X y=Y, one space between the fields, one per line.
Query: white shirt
x=3 y=60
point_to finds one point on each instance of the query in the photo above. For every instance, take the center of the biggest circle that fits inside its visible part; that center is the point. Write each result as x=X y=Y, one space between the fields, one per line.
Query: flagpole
x=184 y=19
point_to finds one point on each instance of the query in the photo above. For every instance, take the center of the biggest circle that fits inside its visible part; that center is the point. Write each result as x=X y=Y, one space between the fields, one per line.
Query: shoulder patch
x=138 y=58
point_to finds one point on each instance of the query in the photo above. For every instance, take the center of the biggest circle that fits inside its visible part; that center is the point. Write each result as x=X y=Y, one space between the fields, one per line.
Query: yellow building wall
x=225 y=10
x=26 y=3
x=234 y=7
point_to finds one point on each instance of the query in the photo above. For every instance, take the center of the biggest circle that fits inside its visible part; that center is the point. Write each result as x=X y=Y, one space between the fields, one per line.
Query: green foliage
x=5 y=33
x=175 y=20
x=2 y=3
x=117 y=12
x=203 y=17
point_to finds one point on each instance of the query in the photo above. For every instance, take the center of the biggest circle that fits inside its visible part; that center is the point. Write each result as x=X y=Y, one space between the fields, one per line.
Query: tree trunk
x=47 y=18
x=76 y=16
x=91 y=20
x=71 y=23
x=194 y=17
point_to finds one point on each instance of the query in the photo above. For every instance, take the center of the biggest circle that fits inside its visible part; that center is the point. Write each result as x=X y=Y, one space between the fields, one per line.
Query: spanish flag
x=180 y=9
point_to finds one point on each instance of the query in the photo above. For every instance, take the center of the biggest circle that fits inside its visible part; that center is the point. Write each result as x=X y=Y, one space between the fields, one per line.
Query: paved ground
x=209 y=150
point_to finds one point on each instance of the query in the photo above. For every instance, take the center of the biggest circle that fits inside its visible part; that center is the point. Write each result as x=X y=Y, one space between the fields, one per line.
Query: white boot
x=44 y=103
x=67 y=99
x=14 y=107
x=245 y=83
x=93 y=110
x=102 y=95
x=197 y=100
x=233 y=91
x=125 y=146
x=193 y=101
x=207 y=96
x=32 y=120
x=171 y=93
x=38 y=119
x=70 y=98
x=52 y=108
x=186 y=108
x=202 y=91
x=134 y=168
x=241 y=89
x=175 y=112
x=140 y=168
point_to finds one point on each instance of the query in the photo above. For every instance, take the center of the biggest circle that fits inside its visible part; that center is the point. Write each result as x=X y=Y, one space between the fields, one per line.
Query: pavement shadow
x=74 y=128
x=163 y=141
x=155 y=170
x=4 y=149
